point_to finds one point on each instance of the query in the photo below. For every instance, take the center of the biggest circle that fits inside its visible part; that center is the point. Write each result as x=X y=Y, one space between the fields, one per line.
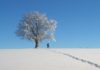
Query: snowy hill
x=49 y=59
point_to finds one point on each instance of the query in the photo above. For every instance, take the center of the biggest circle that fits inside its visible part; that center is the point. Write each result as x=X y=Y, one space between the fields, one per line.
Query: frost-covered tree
x=36 y=26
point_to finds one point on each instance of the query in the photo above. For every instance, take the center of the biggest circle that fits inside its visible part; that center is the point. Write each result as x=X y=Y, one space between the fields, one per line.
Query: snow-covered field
x=49 y=59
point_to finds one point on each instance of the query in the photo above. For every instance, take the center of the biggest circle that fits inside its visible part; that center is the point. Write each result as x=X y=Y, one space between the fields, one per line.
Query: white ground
x=49 y=59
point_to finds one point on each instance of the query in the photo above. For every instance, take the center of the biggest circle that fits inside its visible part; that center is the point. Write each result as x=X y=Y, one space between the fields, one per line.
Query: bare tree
x=36 y=26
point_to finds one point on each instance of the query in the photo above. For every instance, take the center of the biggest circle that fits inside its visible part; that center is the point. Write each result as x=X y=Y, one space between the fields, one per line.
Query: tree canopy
x=36 y=26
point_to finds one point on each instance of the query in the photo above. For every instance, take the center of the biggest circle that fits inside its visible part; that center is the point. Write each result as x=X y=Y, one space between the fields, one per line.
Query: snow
x=49 y=59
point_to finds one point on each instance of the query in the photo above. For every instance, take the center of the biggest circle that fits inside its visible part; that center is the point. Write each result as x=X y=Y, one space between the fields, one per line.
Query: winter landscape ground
x=49 y=59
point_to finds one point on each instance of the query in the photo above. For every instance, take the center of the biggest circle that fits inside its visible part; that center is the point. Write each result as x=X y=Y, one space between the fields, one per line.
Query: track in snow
x=77 y=58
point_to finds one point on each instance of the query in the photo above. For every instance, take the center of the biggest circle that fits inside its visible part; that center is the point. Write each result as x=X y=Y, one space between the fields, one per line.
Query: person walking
x=48 y=45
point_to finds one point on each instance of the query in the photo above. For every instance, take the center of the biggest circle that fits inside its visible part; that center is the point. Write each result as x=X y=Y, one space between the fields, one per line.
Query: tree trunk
x=36 y=44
